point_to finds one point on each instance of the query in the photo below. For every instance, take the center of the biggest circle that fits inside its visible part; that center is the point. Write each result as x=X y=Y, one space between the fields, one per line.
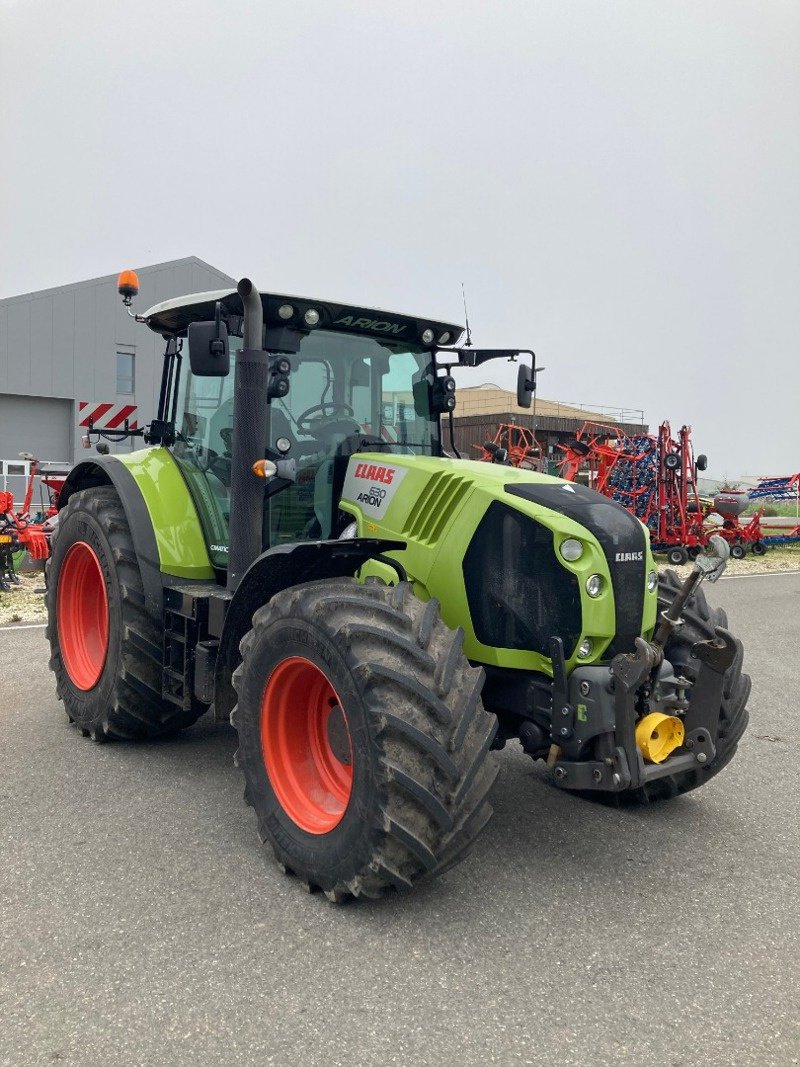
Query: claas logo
x=374 y=473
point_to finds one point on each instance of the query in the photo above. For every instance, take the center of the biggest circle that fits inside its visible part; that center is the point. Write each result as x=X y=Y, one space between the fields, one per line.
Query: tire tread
x=427 y=723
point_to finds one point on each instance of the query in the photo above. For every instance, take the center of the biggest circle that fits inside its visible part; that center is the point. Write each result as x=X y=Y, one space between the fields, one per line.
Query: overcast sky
x=617 y=182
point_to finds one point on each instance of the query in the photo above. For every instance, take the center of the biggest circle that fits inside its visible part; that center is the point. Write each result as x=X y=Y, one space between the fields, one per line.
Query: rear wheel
x=759 y=548
x=362 y=737
x=106 y=650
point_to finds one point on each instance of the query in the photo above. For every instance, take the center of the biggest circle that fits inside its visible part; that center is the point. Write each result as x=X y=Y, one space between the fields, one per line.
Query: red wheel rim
x=82 y=616
x=305 y=743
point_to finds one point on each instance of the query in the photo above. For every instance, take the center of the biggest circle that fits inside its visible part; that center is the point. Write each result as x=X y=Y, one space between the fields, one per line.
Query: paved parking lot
x=140 y=922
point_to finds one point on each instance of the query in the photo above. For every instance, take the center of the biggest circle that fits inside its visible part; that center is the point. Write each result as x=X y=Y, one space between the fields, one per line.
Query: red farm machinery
x=514 y=445
x=20 y=530
x=784 y=489
x=730 y=506
x=653 y=476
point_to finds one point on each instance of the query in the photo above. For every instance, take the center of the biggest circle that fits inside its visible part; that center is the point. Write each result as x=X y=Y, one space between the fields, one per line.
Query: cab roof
x=172 y=317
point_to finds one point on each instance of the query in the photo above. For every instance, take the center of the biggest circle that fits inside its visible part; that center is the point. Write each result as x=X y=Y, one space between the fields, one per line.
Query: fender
x=163 y=519
x=276 y=569
x=108 y=470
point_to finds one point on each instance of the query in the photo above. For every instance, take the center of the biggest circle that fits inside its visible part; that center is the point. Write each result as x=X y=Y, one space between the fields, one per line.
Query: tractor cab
x=343 y=379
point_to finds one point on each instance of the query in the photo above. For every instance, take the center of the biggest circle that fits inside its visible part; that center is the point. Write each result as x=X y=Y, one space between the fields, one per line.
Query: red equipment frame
x=521 y=446
x=669 y=505
x=17 y=532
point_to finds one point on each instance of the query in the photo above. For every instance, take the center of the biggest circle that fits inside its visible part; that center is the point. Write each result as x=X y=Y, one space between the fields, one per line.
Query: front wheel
x=362 y=737
x=738 y=551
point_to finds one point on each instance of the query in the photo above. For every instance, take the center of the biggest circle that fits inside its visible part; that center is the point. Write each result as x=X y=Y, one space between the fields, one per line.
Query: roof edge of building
x=36 y=293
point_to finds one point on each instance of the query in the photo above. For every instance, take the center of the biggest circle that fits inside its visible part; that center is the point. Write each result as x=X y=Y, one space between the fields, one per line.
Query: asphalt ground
x=141 y=923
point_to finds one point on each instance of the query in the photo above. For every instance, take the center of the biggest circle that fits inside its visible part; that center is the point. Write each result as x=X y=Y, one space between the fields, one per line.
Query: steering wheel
x=328 y=409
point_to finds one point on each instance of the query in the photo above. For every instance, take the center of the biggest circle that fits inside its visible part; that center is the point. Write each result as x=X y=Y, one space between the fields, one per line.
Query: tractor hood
x=486 y=540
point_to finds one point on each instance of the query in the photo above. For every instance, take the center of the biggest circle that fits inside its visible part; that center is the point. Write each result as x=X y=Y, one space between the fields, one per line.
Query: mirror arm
x=474 y=357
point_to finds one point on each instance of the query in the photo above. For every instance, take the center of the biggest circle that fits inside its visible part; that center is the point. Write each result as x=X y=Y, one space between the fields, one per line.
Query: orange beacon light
x=128 y=286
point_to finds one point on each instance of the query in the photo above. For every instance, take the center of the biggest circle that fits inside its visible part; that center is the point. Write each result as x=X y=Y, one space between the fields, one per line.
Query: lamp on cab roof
x=128 y=286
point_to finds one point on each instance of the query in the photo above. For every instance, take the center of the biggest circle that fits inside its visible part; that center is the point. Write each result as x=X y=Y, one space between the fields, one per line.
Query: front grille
x=622 y=539
x=519 y=595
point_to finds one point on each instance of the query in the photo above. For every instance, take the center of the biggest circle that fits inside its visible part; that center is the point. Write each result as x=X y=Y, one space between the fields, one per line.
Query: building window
x=125 y=373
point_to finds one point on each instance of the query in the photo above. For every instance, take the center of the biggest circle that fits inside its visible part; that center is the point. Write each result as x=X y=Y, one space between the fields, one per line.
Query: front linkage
x=590 y=706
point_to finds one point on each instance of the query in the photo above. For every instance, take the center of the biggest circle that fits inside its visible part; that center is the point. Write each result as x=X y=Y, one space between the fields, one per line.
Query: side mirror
x=526 y=385
x=421 y=393
x=209 y=356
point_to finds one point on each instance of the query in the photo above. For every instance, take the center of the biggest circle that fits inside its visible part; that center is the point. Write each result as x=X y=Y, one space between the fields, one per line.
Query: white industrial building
x=73 y=351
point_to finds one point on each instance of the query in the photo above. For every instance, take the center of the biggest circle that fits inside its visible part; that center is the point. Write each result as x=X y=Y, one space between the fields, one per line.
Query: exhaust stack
x=250 y=435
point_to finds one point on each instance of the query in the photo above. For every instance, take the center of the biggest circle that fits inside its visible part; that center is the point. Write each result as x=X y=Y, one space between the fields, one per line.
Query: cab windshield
x=346 y=393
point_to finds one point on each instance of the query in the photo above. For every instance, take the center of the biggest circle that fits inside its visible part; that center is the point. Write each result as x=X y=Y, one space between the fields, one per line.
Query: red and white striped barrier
x=107 y=416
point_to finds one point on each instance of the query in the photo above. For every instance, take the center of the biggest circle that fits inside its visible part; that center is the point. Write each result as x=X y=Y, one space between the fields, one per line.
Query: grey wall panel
x=64 y=344
x=3 y=349
x=105 y=365
x=19 y=347
x=35 y=424
x=206 y=279
x=40 y=364
x=84 y=343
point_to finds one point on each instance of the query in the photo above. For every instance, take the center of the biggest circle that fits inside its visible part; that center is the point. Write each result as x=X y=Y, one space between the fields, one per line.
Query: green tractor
x=294 y=550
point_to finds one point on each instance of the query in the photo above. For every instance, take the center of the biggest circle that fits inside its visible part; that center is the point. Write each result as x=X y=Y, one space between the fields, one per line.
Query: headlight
x=586 y=648
x=652 y=581
x=594 y=585
x=571 y=549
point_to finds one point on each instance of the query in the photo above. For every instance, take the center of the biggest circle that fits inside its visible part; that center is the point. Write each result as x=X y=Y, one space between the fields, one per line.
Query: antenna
x=468 y=342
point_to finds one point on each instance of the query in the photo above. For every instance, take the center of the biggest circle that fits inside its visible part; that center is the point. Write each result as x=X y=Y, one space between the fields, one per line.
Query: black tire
x=738 y=551
x=419 y=735
x=672 y=461
x=699 y=622
x=759 y=548
x=677 y=555
x=125 y=703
